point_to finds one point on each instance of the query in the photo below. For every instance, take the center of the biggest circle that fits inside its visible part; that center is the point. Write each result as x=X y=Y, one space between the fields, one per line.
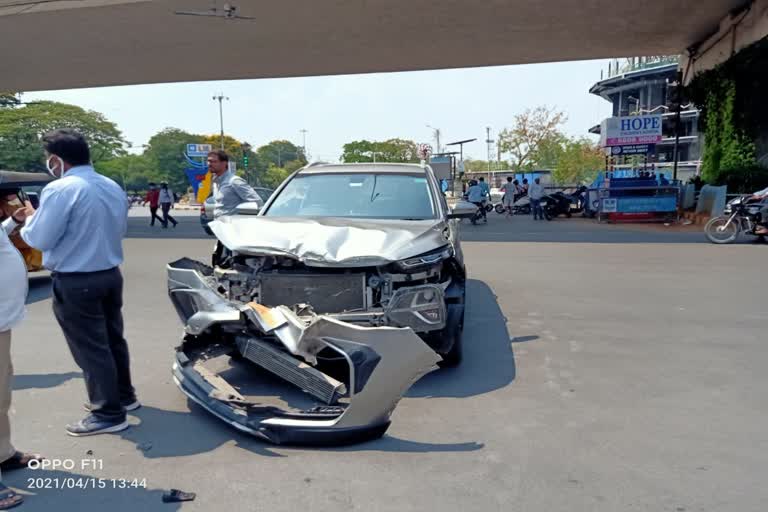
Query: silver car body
x=375 y=288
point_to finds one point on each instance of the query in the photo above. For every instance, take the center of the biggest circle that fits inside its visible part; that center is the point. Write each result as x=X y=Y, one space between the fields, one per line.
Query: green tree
x=22 y=128
x=549 y=151
x=579 y=163
x=132 y=172
x=392 y=150
x=8 y=99
x=165 y=156
x=279 y=153
x=531 y=131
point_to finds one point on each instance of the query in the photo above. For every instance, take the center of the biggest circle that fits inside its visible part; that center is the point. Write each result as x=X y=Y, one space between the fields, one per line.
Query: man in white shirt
x=79 y=227
x=536 y=192
x=166 y=202
x=476 y=195
x=229 y=190
x=13 y=295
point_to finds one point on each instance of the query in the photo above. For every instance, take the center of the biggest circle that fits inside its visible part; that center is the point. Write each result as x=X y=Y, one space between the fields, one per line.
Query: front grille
x=326 y=293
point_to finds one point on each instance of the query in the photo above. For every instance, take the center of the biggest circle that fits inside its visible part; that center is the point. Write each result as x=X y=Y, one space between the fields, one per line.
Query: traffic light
x=245 y=160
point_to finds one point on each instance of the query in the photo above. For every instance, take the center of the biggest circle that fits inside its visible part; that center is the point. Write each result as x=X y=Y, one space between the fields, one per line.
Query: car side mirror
x=248 y=208
x=462 y=210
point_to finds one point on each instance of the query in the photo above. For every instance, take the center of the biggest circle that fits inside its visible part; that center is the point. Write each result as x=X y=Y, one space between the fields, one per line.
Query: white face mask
x=52 y=169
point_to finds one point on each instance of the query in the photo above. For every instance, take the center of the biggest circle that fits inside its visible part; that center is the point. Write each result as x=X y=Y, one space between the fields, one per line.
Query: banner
x=196 y=178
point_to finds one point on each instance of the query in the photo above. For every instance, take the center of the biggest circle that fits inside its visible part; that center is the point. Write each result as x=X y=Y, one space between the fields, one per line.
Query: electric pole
x=489 y=141
x=436 y=131
x=220 y=98
x=304 y=143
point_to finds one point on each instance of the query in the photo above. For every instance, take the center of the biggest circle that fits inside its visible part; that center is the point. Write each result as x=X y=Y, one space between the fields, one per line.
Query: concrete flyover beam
x=739 y=29
x=58 y=44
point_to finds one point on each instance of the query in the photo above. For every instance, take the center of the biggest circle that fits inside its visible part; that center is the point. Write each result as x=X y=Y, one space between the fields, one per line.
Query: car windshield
x=366 y=196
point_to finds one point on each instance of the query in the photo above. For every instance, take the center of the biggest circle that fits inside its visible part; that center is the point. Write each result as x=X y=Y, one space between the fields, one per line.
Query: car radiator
x=326 y=293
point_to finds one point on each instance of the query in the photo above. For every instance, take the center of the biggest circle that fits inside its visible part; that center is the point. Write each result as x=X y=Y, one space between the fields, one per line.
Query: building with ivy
x=641 y=85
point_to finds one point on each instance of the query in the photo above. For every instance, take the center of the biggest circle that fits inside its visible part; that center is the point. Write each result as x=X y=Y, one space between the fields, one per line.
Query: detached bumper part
x=383 y=363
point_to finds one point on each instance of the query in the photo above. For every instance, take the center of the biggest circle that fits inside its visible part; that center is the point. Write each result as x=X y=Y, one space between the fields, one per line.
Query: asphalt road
x=607 y=368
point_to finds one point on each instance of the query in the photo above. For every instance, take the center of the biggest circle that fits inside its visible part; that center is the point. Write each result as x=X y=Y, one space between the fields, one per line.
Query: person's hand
x=22 y=214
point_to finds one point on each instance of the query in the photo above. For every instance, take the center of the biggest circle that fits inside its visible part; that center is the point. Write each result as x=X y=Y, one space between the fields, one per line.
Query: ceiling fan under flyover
x=227 y=11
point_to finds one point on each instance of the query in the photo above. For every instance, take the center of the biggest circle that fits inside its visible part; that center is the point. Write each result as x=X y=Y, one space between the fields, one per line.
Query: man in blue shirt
x=79 y=227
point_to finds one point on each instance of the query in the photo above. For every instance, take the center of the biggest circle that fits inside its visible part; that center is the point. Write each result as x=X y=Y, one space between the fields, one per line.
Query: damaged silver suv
x=349 y=284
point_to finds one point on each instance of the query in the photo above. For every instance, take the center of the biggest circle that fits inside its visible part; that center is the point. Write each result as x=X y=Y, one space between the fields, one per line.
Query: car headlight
x=427 y=259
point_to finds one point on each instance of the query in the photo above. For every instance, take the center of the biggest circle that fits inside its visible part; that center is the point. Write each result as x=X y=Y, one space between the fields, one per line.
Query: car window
x=264 y=193
x=373 y=196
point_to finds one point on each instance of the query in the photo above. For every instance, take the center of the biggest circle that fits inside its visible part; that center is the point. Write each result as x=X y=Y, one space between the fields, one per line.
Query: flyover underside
x=57 y=45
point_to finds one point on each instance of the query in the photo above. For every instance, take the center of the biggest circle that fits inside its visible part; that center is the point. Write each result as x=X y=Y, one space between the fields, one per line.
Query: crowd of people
x=79 y=226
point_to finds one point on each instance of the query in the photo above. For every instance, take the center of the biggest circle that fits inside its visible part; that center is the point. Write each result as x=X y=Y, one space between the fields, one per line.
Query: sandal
x=19 y=460
x=9 y=498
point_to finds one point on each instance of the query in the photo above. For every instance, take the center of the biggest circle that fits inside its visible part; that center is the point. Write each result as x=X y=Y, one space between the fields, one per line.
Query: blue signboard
x=198 y=150
x=646 y=204
x=635 y=149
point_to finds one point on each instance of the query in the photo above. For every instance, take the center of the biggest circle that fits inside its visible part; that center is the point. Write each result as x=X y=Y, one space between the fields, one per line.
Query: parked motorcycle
x=740 y=216
x=520 y=207
x=555 y=205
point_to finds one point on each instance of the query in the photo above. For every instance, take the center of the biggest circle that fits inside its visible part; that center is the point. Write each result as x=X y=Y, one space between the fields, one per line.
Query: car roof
x=364 y=168
x=12 y=179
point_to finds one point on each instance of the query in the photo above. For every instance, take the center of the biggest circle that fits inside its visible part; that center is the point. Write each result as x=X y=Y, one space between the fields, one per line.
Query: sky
x=335 y=110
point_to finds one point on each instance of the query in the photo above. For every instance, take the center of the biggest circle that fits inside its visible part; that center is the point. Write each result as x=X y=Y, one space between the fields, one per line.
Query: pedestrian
x=510 y=192
x=13 y=295
x=79 y=226
x=536 y=192
x=476 y=196
x=229 y=190
x=166 y=202
x=153 y=198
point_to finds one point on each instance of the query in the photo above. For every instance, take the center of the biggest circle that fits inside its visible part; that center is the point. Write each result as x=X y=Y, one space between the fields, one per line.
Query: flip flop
x=19 y=460
x=9 y=498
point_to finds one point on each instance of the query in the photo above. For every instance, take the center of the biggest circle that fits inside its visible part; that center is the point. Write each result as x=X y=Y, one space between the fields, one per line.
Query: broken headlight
x=427 y=259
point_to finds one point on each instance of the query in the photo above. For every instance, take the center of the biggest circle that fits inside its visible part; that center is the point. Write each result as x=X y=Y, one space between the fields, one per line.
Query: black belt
x=80 y=274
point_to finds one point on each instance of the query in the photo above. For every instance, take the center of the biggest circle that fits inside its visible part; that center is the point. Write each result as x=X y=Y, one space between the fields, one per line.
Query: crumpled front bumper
x=383 y=363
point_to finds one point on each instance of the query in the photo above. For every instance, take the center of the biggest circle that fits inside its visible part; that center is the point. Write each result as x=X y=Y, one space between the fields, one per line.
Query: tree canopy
x=22 y=127
x=392 y=150
x=532 y=135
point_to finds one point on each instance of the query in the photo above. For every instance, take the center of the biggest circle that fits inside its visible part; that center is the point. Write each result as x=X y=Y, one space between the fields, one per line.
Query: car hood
x=331 y=241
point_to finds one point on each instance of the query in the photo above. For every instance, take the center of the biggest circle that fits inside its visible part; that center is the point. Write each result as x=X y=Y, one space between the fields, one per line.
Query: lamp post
x=220 y=98
x=437 y=138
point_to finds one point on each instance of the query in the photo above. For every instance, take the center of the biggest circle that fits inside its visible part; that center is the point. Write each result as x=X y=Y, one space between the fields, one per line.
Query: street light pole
x=304 y=143
x=437 y=137
x=220 y=98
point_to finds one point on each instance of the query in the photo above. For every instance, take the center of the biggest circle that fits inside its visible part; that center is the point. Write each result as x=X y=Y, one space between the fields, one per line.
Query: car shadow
x=163 y=433
x=40 y=289
x=489 y=360
x=60 y=491
x=43 y=381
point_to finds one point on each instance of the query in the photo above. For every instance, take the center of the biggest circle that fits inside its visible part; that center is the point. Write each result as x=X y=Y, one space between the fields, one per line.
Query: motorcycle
x=740 y=216
x=557 y=204
x=520 y=207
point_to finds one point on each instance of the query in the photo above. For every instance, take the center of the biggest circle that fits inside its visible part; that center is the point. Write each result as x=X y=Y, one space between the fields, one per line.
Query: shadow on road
x=40 y=289
x=489 y=362
x=43 y=381
x=178 y=434
x=57 y=492
x=394 y=444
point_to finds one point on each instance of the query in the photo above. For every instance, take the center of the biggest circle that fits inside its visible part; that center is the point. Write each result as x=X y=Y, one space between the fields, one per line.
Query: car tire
x=453 y=357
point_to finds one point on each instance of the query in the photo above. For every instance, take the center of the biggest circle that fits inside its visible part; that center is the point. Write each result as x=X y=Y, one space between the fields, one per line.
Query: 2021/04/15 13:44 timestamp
x=86 y=483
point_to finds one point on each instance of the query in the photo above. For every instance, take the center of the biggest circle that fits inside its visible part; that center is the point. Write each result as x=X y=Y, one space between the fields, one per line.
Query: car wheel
x=453 y=357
